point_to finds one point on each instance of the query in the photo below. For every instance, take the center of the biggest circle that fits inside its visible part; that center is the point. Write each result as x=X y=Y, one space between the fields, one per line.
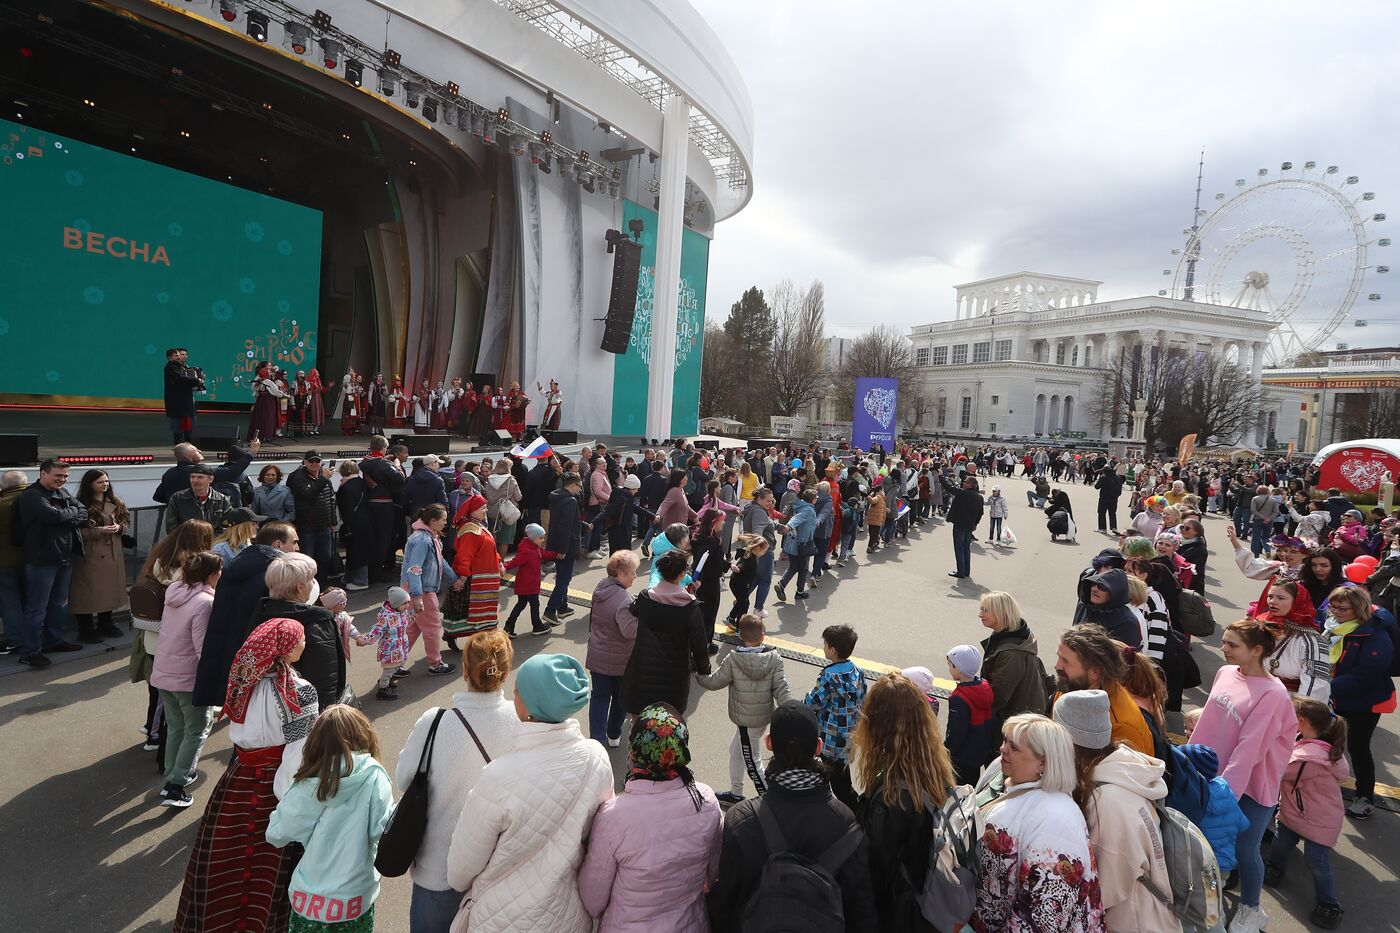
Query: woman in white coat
x=1117 y=787
x=456 y=765
x=519 y=841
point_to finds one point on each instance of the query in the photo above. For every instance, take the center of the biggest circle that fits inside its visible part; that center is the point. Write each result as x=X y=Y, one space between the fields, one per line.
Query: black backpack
x=796 y=894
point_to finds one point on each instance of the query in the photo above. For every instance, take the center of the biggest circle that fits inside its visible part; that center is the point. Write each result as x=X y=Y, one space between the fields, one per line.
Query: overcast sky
x=903 y=148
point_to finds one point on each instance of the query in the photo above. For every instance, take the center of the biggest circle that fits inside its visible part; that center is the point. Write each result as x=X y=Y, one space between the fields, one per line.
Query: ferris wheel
x=1293 y=247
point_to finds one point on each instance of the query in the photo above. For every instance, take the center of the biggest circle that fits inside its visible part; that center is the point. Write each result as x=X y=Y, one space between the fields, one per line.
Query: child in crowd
x=337 y=810
x=970 y=716
x=837 y=699
x=336 y=600
x=1310 y=807
x=757 y=684
x=391 y=631
x=922 y=678
x=527 y=563
x=1223 y=820
x=745 y=570
x=997 y=511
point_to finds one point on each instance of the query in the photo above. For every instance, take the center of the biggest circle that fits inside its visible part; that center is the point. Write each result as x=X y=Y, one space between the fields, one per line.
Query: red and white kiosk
x=1359 y=466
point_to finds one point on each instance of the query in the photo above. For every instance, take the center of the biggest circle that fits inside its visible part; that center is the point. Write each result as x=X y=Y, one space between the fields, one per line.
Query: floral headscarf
x=659 y=749
x=261 y=656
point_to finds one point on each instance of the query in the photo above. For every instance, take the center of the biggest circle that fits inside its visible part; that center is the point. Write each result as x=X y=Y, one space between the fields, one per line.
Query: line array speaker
x=622 y=302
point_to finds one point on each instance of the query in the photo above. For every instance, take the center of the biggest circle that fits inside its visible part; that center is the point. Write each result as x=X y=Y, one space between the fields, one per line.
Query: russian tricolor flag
x=903 y=509
x=538 y=449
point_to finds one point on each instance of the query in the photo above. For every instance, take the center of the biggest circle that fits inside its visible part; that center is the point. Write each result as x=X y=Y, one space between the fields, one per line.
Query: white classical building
x=1025 y=352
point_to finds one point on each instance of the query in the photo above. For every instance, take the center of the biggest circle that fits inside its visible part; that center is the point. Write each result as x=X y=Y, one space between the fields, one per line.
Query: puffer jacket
x=1127 y=842
x=756 y=681
x=314 y=500
x=1223 y=820
x=1114 y=615
x=652 y=855
x=519 y=841
x=671 y=642
x=1361 y=681
x=335 y=877
x=875 y=510
x=612 y=628
x=181 y=638
x=1310 y=801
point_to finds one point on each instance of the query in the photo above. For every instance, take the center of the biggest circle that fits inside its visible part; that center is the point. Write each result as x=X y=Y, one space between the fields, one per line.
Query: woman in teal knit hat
x=518 y=844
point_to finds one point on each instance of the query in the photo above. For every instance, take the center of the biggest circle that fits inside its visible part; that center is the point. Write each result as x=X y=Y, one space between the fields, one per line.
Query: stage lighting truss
x=302 y=31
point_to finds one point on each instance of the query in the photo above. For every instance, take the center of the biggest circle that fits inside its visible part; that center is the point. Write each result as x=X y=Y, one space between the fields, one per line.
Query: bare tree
x=914 y=403
x=1210 y=398
x=799 y=319
x=882 y=352
x=720 y=373
x=1380 y=417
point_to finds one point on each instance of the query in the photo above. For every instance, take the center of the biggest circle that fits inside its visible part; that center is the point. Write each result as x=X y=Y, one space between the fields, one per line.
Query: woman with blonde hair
x=1037 y=871
x=904 y=771
x=1010 y=661
x=292 y=592
x=480 y=713
x=239 y=531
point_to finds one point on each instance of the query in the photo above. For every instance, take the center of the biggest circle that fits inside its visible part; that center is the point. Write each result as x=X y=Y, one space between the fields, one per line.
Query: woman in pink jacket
x=180 y=643
x=654 y=851
x=1249 y=722
x=1310 y=807
x=675 y=509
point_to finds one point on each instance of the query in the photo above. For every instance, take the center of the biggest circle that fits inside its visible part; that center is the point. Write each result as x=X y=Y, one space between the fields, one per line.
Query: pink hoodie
x=1310 y=800
x=1250 y=723
x=181 y=639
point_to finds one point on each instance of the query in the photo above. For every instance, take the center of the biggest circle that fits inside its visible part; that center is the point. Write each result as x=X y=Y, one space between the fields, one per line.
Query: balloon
x=1368 y=560
x=1357 y=572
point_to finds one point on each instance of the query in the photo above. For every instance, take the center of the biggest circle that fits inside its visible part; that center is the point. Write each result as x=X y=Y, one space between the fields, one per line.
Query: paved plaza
x=89 y=848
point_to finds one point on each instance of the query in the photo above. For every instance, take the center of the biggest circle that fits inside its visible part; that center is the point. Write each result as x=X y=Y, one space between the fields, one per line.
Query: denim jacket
x=423 y=569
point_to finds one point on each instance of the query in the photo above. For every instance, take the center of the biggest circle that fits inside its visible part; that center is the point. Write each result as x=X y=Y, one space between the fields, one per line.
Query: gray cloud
x=903 y=148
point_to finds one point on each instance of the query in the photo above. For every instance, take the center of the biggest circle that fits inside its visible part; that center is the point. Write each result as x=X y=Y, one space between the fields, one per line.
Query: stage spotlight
x=413 y=94
x=517 y=144
x=257 y=25
x=296 y=36
x=228 y=9
x=388 y=82
x=503 y=116
x=355 y=73
x=544 y=161
x=566 y=166
x=321 y=21
x=474 y=123
x=488 y=132
x=392 y=59
x=430 y=110
x=535 y=151
x=588 y=183
x=449 y=115
x=331 y=51
x=453 y=89
x=546 y=137
x=612 y=190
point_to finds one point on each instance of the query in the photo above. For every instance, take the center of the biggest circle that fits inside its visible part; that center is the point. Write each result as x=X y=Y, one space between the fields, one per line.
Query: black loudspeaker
x=218 y=437
x=560 y=437
x=503 y=436
x=706 y=445
x=19 y=449
x=483 y=379
x=622 y=303
x=422 y=444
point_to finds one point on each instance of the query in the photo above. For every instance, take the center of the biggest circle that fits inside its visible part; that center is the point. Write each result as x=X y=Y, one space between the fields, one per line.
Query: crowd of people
x=1041 y=800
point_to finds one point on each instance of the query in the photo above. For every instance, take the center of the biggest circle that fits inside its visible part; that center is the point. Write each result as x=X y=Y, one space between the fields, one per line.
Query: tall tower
x=1193 y=246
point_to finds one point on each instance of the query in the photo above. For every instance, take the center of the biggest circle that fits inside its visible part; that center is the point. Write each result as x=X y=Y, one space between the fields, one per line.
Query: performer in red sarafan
x=553 y=405
x=283 y=401
x=516 y=403
x=398 y=404
x=470 y=400
x=352 y=399
x=317 y=401
x=439 y=407
x=263 y=424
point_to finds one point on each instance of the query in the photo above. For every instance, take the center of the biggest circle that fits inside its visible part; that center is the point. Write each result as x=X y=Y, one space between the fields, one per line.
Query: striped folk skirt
x=236 y=880
x=474 y=608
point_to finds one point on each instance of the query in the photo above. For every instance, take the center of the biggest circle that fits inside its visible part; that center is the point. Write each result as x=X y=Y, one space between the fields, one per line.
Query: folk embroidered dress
x=236 y=880
x=477 y=562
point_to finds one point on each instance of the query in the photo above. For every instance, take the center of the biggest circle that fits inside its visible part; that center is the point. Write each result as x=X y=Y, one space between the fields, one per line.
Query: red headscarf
x=261 y=656
x=464 y=514
x=1302 y=615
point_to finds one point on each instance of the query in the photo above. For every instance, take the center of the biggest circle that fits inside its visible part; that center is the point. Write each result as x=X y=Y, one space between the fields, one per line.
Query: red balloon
x=1368 y=560
x=1357 y=572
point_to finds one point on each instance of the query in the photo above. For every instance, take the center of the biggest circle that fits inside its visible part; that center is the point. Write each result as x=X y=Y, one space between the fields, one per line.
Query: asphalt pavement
x=88 y=848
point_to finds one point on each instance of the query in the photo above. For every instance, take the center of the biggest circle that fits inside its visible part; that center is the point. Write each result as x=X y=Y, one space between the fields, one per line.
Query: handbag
x=403 y=837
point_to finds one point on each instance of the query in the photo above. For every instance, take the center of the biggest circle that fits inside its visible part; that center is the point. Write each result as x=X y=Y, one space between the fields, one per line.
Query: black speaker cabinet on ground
x=560 y=436
x=420 y=445
x=622 y=302
x=762 y=443
x=19 y=449
x=218 y=437
x=706 y=445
